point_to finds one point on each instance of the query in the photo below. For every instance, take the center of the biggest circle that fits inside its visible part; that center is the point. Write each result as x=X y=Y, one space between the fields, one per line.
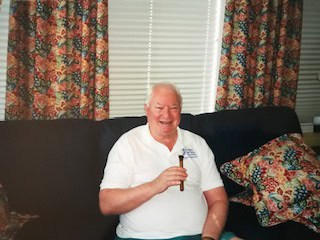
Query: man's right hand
x=170 y=177
x=119 y=201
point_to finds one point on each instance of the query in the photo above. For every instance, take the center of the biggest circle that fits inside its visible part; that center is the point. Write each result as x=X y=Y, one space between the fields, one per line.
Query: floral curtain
x=58 y=60
x=260 y=54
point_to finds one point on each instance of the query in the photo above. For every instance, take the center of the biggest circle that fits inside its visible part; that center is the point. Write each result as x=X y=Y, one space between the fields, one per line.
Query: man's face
x=163 y=113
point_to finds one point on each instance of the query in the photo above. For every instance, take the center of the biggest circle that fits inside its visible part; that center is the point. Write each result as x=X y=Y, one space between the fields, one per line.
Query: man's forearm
x=216 y=219
x=118 y=201
x=218 y=203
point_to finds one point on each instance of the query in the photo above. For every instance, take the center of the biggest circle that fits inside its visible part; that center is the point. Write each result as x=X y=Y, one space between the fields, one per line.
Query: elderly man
x=142 y=177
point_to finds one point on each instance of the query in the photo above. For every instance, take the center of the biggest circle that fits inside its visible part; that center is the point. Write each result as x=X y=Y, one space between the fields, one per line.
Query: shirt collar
x=177 y=146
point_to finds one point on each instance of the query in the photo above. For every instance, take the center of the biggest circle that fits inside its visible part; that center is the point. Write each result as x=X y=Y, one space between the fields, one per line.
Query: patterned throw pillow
x=282 y=181
x=10 y=222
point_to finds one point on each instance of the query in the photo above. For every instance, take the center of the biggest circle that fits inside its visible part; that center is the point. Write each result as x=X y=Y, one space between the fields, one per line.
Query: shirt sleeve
x=119 y=170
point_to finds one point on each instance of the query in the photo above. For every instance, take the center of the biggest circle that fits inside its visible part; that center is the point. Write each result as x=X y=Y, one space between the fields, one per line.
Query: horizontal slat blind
x=4 y=18
x=308 y=95
x=163 y=40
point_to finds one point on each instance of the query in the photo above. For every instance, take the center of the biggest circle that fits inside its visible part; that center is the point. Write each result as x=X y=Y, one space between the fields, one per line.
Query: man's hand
x=119 y=201
x=170 y=177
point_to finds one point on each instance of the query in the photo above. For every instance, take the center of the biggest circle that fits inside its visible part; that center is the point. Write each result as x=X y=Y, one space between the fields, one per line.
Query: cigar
x=181 y=165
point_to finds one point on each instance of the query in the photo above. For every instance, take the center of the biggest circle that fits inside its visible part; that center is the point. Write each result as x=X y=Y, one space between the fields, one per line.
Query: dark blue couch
x=53 y=169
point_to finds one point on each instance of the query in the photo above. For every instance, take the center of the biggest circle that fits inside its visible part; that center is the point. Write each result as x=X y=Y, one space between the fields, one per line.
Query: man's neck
x=167 y=140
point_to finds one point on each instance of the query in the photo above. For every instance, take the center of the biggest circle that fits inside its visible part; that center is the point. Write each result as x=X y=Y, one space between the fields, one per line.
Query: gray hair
x=169 y=85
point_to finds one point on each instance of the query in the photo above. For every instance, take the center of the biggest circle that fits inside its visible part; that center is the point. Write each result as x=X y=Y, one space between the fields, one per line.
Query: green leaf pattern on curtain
x=58 y=60
x=260 y=54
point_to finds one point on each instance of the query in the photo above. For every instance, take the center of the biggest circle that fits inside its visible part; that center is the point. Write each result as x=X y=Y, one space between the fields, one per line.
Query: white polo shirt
x=137 y=158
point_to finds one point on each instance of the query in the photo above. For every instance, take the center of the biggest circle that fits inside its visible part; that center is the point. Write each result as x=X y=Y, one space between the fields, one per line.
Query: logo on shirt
x=188 y=153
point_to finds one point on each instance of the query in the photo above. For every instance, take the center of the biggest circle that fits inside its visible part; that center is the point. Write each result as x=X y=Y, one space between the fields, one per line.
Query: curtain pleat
x=260 y=54
x=58 y=60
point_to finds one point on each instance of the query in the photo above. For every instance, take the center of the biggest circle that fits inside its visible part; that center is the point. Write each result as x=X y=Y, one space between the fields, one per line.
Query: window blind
x=308 y=93
x=4 y=19
x=151 y=41
x=163 y=40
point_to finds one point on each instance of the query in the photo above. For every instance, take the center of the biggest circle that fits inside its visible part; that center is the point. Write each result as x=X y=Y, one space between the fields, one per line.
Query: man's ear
x=145 y=108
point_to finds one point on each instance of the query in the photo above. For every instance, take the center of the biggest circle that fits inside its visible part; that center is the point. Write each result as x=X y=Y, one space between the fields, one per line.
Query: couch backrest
x=234 y=133
x=229 y=133
x=50 y=167
x=56 y=166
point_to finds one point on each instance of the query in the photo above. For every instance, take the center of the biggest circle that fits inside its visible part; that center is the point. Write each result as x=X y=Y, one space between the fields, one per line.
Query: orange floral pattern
x=282 y=181
x=58 y=60
x=260 y=54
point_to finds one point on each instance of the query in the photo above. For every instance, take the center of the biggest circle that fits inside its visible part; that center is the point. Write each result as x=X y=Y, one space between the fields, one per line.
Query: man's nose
x=166 y=112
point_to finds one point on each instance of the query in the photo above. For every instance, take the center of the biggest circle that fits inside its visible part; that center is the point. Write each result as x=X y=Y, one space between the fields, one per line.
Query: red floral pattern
x=282 y=180
x=260 y=54
x=58 y=60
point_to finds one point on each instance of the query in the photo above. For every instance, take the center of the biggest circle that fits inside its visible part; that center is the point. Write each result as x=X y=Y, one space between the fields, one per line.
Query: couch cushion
x=50 y=167
x=4 y=209
x=234 y=133
x=283 y=176
x=243 y=222
x=78 y=227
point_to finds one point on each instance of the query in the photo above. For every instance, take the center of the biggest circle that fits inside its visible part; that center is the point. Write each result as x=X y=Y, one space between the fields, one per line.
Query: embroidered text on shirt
x=188 y=152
